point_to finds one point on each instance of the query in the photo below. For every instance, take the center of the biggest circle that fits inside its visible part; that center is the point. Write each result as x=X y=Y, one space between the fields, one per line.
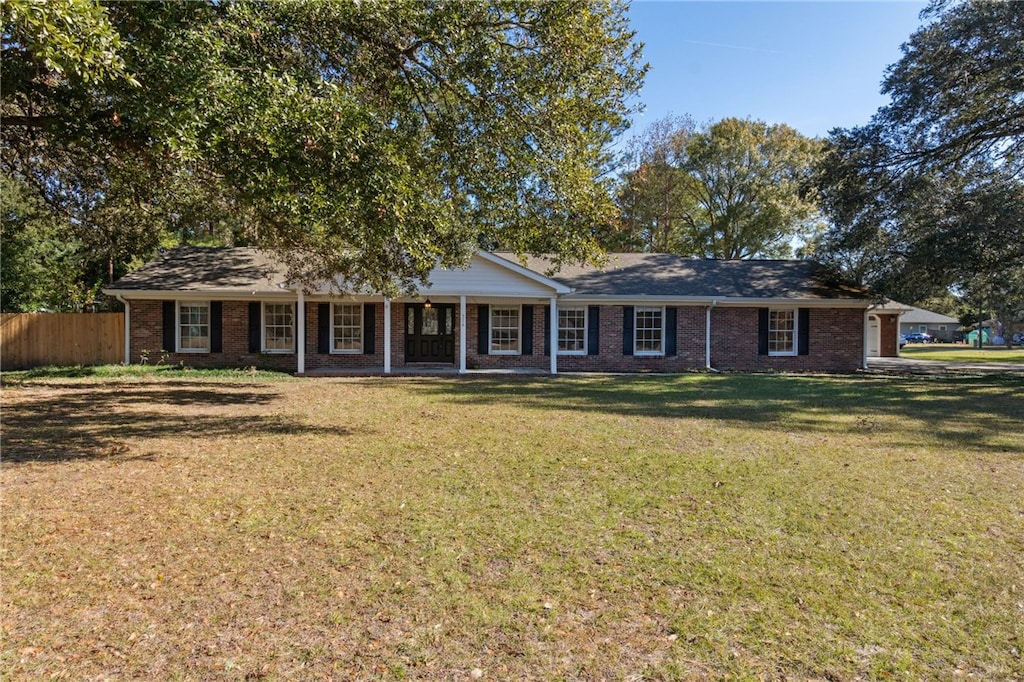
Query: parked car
x=919 y=337
x=903 y=340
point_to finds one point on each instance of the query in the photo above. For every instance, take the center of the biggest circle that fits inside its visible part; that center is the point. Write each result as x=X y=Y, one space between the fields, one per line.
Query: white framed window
x=505 y=330
x=278 y=328
x=346 y=328
x=648 y=331
x=782 y=332
x=923 y=328
x=193 y=326
x=572 y=331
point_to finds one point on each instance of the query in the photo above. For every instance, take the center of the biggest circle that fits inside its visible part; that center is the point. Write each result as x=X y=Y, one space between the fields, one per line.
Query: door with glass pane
x=429 y=332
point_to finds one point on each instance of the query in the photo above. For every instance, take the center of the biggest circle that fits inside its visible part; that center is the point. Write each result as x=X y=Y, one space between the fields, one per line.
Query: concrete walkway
x=915 y=366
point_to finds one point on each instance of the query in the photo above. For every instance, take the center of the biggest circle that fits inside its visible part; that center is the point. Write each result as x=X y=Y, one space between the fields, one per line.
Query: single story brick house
x=232 y=307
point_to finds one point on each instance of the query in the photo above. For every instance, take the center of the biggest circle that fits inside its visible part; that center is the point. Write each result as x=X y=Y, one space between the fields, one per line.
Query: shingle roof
x=921 y=316
x=667 y=275
x=198 y=269
x=195 y=268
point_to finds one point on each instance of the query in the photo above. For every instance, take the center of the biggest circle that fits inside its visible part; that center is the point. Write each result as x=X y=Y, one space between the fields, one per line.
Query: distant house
x=233 y=307
x=940 y=327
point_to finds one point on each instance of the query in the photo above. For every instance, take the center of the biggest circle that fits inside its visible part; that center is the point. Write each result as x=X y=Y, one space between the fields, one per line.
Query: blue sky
x=812 y=65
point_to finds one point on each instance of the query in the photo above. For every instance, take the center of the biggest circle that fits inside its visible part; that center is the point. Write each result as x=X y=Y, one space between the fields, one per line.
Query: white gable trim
x=558 y=287
x=487 y=276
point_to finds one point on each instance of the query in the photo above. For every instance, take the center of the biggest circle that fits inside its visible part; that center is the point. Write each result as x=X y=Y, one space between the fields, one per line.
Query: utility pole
x=981 y=318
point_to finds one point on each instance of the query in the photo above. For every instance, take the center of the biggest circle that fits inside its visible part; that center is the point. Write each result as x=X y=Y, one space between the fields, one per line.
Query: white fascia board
x=557 y=286
x=225 y=294
x=718 y=301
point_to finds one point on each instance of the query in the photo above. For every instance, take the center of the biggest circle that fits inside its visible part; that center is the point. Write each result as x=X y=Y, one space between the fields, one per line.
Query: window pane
x=277 y=322
x=430 y=320
x=348 y=327
x=647 y=331
x=781 y=327
x=572 y=330
x=504 y=330
x=194 y=326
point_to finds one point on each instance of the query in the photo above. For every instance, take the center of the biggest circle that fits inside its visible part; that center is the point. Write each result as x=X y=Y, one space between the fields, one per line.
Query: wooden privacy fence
x=36 y=339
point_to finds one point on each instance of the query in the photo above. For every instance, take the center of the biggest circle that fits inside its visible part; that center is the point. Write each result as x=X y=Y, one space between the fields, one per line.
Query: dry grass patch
x=569 y=528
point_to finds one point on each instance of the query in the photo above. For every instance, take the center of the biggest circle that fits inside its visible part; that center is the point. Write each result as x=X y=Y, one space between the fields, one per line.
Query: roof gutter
x=707 y=337
x=127 y=329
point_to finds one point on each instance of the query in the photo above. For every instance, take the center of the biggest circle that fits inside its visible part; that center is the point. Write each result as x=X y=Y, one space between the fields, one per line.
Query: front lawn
x=950 y=352
x=641 y=527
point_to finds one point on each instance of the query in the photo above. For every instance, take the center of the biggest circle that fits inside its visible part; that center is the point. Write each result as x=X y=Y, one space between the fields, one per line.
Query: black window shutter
x=369 y=328
x=216 y=327
x=323 y=327
x=254 y=326
x=547 y=330
x=762 y=331
x=527 y=330
x=803 y=331
x=170 y=327
x=593 y=330
x=670 y=330
x=627 y=330
x=483 y=329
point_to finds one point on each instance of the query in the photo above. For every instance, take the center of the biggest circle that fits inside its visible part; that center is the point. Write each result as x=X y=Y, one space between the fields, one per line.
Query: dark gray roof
x=667 y=275
x=196 y=268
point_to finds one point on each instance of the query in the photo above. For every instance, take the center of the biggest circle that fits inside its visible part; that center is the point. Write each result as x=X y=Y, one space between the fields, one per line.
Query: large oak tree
x=930 y=193
x=733 y=189
x=368 y=139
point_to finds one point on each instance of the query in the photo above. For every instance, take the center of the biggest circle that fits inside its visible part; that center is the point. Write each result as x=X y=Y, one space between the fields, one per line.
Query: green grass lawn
x=950 y=352
x=573 y=528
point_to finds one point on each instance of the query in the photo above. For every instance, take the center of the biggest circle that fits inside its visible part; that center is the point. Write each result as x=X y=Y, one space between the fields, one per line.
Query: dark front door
x=429 y=332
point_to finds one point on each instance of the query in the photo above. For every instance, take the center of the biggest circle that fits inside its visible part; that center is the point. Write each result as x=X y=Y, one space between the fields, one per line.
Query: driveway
x=915 y=366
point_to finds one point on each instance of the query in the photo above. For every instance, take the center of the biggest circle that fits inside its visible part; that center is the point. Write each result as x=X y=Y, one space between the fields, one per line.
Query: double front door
x=429 y=332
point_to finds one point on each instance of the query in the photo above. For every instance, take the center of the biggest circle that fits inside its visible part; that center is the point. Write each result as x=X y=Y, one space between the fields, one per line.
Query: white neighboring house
x=938 y=326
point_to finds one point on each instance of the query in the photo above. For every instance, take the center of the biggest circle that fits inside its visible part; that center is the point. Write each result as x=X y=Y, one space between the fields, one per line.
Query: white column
x=462 y=334
x=554 y=335
x=387 y=336
x=300 y=333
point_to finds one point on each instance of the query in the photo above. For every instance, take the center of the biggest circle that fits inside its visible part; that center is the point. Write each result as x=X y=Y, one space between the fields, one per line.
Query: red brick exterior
x=836 y=342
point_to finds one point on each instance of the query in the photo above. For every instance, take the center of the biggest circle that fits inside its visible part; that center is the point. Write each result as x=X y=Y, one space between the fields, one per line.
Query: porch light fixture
x=427 y=304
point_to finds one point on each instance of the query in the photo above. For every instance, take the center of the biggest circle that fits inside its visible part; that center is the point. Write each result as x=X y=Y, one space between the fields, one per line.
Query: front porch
x=413 y=371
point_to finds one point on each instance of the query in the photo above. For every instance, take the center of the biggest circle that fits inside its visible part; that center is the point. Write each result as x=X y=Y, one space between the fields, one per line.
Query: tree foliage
x=734 y=189
x=929 y=195
x=40 y=268
x=371 y=140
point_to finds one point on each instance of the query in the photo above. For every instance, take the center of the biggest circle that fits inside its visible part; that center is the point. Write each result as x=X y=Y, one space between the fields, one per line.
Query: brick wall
x=835 y=343
x=315 y=360
x=147 y=335
x=689 y=346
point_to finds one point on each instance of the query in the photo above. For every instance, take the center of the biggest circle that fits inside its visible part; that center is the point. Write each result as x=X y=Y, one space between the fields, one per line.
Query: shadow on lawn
x=968 y=412
x=94 y=422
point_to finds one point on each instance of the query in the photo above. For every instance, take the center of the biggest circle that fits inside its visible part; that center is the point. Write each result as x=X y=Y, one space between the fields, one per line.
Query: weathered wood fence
x=36 y=339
